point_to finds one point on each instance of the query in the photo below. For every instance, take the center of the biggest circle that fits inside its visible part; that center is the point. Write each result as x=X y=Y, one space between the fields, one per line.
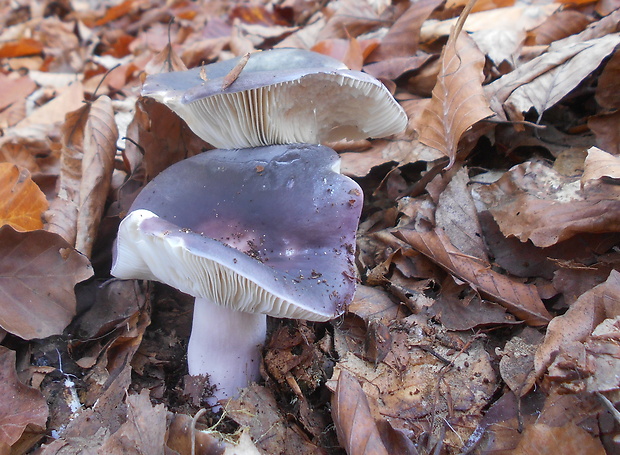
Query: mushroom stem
x=225 y=345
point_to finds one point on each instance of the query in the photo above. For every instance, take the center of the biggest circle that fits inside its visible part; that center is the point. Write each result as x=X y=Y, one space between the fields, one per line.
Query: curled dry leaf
x=100 y=135
x=520 y=299
x=541 y=439
x=21 y=201
x=356 y=428
x=38 y=271
x=600 y=165
x=603 y=301
x=89 y=147
x=21 y=406
x=534 y=202
x=458 y=100
x=144 y=430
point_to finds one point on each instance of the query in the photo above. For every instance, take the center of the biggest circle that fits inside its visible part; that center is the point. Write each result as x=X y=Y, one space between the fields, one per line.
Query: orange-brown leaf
x=21 y=406
x=355 y=426
x=402 y=39
x=21 y=201
x=520 y=299
x=21 y=48
x=458 y=100
x=38 y=271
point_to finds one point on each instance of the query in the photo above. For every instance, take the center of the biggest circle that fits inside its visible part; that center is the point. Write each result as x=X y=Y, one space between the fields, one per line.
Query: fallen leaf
x=601 y=165
x=458 y=99
x=144 y=430
x=38 y=271
x=54 y=111
x=22 y=202
x=21 y=48
x=607 y=87
x=165 y=61
x=15 y=89
x=520 y=299
x=456 y=215
x=548 y=88
x=21 y=406
x=257 y=409
x=99 y=148
x=90 y=135
x=590 y=309
x=534 y=202
x=355 y=425
x=559 y=25
x=403 y=37
x=540 y=439
x=606 y=128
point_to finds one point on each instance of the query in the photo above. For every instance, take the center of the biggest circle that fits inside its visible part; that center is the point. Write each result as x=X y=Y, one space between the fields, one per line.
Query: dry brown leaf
x=14 y=89
x=99 y=149
x=38 y=271
x=144 y=430
x=545 y=80
x=540 y=439
x=608 y=84
x=456 y=215
x=21 y=406
x=257 y=409
x=578 y=61
x=600 y=164
x=355 y=425
x=68 y=99
x=520 y=299
x=403 y=37
x=89 y=139
x=21 y=201
x=21 y=48
x=558 y=26
x=606 y=128
x=590 y=309
x=165 y=61
x=534 y=202
x=458 y=99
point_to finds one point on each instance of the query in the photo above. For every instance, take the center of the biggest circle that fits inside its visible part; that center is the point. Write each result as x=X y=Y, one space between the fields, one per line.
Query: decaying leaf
x=90 y=135
x=520 y=299
x=601 y=165
x=355 y=425
x=21 y=201
x=603 y=301
x=38 y=271
x=541 y=439
x=534 y=202
x=21 y=406
x=458 y=100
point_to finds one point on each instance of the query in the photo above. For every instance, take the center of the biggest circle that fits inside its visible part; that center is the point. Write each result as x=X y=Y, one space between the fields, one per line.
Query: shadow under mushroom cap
x=270 y=230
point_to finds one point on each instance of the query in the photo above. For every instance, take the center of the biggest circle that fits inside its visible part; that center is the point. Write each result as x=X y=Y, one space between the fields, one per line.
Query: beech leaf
x=458 y=100
x=89 y=147
x=600 y=165
x=100 y=135
x=21 y=201
x=355 y=426
x=38 y=271
x=520 y=299
x=21 y=406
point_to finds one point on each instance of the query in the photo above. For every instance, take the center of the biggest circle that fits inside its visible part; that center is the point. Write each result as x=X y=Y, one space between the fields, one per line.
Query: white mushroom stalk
x=225 y=345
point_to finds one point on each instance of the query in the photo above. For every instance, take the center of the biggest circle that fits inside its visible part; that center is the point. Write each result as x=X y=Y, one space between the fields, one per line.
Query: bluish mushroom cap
x=281 y=96
x=269 y=231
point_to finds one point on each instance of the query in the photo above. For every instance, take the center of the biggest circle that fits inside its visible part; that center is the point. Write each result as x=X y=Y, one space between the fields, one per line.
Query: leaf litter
x=487 y=316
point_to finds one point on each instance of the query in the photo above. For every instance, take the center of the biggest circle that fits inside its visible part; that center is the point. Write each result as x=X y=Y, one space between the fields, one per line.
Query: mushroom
x=280 y=96
x=249 y=234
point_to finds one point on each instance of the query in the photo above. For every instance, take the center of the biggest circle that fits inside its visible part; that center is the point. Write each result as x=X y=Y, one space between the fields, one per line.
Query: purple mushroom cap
x=281 y=96
x=277 y=221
